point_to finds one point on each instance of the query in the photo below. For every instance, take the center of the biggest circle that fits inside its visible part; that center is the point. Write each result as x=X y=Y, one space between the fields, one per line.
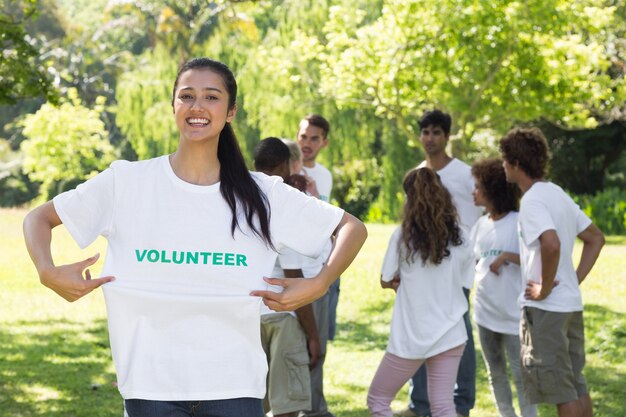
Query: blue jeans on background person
x=333 y=300
x=249 y=407
x=465 y=389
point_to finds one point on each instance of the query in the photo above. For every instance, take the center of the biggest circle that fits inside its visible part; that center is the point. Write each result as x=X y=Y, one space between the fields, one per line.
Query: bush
x=356 y=185
x=607 y=209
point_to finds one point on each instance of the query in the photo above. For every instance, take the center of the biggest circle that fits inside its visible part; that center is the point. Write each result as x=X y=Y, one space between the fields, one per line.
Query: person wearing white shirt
x=190 y=237
x=312 y=138
x=498 y=284
x=425 y=264
x=457 y=178
x=552 y=329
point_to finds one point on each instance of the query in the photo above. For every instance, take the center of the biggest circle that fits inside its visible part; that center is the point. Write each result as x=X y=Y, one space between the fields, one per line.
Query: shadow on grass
x=57 y=368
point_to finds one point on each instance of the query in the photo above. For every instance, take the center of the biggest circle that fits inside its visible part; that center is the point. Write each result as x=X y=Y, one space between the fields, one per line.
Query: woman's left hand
x=296 y=293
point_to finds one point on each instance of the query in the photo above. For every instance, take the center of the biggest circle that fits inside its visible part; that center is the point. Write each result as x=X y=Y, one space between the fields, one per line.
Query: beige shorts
x=288 y=380
x=553 y=355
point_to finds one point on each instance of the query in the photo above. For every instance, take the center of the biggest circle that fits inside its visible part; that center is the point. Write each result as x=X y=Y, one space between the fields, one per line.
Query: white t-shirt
x=323 y=180
x=456 y=176
x=181 y=321
x=290 y=259
x=428 y=311
x=495 y=299
x=545 y=206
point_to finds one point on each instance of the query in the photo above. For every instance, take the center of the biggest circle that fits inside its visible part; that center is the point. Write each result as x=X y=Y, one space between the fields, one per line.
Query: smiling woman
x=200 y=203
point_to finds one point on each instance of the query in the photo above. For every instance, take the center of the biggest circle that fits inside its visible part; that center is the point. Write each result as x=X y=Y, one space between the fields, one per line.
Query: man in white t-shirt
x=552 y=330
x=312 y=138
x=456 y=176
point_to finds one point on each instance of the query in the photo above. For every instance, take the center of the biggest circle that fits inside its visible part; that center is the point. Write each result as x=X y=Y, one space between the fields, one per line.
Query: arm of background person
x=503 y=259
x=65 y=280
x=393 y=284
x=550 y=254
x=307 y=321
x=593 y=241
x=350 y=235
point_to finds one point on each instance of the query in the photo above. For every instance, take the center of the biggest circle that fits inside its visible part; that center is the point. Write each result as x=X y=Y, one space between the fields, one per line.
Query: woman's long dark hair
x=236 y=184
x=430 y=222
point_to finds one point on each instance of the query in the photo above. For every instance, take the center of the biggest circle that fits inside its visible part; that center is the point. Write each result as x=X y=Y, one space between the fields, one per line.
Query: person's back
x=287 y=337
x=429 y=303
x=564 y=217
x=552 y=315
x=425 y=263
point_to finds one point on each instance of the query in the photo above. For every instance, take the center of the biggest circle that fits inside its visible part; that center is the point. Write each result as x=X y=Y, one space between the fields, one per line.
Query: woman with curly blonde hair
x=424 y=264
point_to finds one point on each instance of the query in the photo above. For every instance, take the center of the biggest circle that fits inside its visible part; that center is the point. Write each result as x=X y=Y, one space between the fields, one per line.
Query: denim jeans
x=497 y=348
x=465 y=390
x=234 y=407
x=333 y=300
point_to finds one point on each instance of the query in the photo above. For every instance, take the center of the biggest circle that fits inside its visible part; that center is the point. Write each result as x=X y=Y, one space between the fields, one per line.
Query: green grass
x=55 y=357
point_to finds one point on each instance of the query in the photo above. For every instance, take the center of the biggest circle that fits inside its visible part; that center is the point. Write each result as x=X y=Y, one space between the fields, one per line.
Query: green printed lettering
x=153 y=256
x=140 y=256
x=192 y=257
x=241 y=260
x=229 y=259
x=217 y=258
x=178 y=261
x=205 y=257
x=164 y=258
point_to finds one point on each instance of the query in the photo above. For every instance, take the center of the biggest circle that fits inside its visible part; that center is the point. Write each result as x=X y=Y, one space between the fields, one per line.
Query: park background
x=84 y=82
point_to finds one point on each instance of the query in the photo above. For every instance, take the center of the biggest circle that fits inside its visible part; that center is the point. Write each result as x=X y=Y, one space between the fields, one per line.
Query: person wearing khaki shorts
x=553 y=356
x=289 y=384
x=552 y=330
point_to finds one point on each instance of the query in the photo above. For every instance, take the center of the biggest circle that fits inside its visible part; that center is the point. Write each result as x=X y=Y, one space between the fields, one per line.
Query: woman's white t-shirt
x=181 y=321
x=430 y=303
x=495 y=299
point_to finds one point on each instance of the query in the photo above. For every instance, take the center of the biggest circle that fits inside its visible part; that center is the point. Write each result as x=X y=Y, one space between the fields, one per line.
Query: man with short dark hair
x=552 y=330
x=312 y=138
x=456 y=176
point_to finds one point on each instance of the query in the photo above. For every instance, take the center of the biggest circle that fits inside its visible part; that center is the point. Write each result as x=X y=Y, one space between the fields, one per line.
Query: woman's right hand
x=68 y=280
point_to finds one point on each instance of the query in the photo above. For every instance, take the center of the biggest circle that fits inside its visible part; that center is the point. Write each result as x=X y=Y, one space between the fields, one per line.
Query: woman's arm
x=350 y=235
x=393 y=284
x=504 y=259
x=65 y=280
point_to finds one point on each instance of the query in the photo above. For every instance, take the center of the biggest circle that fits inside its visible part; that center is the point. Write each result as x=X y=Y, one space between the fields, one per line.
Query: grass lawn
x=55 y=357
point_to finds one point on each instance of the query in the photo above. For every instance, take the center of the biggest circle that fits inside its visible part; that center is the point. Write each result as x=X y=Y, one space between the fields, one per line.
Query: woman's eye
x=211 y=97
x=186 y=96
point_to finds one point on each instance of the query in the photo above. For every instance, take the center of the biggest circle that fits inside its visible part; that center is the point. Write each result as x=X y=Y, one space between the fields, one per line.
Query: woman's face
x=479 y=198
x=201 y=105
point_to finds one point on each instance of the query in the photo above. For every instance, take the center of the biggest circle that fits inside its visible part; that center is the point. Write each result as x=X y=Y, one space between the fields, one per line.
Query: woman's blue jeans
x=235 y=407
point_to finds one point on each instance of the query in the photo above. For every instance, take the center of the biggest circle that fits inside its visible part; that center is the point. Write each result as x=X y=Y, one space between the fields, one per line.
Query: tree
x=22 y=74
x=66 y=144
x=490 y=64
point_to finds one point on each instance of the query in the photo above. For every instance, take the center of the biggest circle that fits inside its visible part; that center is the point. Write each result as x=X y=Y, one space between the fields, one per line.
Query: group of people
x=222 y=284
x=527 y=301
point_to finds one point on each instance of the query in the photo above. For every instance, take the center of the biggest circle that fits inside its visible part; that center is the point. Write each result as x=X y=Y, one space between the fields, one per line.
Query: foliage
x=144 y=111
x=15 y=187
x=607 y=209
x=356 y=184
x=581 y=158
x=22 y=73
x=490 y=64
x=66 y=143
